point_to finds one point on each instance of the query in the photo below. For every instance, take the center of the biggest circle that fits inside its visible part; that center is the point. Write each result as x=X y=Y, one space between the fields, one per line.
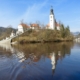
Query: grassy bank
x=39 y=36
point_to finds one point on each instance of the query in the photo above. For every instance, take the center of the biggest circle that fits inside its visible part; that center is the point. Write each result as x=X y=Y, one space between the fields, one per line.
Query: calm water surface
x=52 y=61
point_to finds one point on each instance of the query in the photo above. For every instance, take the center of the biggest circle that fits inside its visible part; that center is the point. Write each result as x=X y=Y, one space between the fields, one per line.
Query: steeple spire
x=51 y=7
x=51 y=11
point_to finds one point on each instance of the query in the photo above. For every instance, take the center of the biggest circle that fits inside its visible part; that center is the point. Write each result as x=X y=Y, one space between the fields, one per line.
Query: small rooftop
x=24 y=25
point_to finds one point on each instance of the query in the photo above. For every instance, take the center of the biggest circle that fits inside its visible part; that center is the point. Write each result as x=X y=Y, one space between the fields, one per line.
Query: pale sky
x=66 y=11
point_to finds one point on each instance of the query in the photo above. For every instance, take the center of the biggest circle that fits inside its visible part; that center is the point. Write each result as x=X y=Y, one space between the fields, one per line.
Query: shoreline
x=44 y=36
x=56 y=41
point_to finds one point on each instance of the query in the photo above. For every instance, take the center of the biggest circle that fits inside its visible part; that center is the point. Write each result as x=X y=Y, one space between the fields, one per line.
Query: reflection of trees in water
x=5 y=50
x=31 y=53
x=63 y=48
x=42 y=49
x=46 y=49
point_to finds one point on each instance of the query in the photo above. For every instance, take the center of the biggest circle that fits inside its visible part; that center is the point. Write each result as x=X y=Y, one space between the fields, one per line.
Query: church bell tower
x=52 y=19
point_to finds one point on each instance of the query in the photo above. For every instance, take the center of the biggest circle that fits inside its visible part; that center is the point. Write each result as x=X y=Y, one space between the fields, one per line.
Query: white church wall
x=52 y=22
x=20 y=29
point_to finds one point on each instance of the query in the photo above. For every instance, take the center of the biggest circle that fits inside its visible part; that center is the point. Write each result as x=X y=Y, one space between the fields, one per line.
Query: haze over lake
x=49 y=61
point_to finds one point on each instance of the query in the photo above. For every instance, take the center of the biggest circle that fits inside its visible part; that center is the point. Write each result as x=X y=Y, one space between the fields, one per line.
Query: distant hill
x=75 y=33
x=5 y=32
x=2 y=29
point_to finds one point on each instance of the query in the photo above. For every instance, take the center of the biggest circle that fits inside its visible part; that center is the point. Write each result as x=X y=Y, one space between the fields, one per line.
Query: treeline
x=65 y=32
x=5 y=32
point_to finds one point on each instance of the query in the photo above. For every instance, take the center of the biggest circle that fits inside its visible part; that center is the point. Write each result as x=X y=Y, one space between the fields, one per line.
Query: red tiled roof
x=35 y=25
x=25 y=25
x=57 y=24
x=48 y=25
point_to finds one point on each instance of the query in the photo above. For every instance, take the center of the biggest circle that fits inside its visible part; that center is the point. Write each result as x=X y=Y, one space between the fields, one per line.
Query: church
x=52 y=24
x=52 y=21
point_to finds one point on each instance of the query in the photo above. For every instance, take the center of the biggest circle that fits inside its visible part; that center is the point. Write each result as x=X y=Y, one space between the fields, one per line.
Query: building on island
x=35 y=26
x=51 y=25
x=22 y=28
x=12 y=35
x=52 y=21
x=57 y=25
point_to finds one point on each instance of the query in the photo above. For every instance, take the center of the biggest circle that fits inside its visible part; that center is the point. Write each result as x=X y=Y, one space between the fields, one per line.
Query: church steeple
x=52 y=19
x=51 y=11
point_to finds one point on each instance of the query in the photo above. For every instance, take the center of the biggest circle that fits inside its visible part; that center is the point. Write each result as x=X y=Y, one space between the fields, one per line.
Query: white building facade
x=52 y=20
x=20 y=28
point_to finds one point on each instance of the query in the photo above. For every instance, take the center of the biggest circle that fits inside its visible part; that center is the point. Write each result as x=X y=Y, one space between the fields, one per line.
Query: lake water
x=49 y=61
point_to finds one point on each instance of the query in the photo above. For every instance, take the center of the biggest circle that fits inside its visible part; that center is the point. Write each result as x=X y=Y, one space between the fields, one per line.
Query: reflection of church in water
x=21 y=56
x=29 y=60
x=54 y=59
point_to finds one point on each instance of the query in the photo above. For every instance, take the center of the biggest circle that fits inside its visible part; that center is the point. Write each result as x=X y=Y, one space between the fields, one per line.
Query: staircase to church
x=9 y=40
